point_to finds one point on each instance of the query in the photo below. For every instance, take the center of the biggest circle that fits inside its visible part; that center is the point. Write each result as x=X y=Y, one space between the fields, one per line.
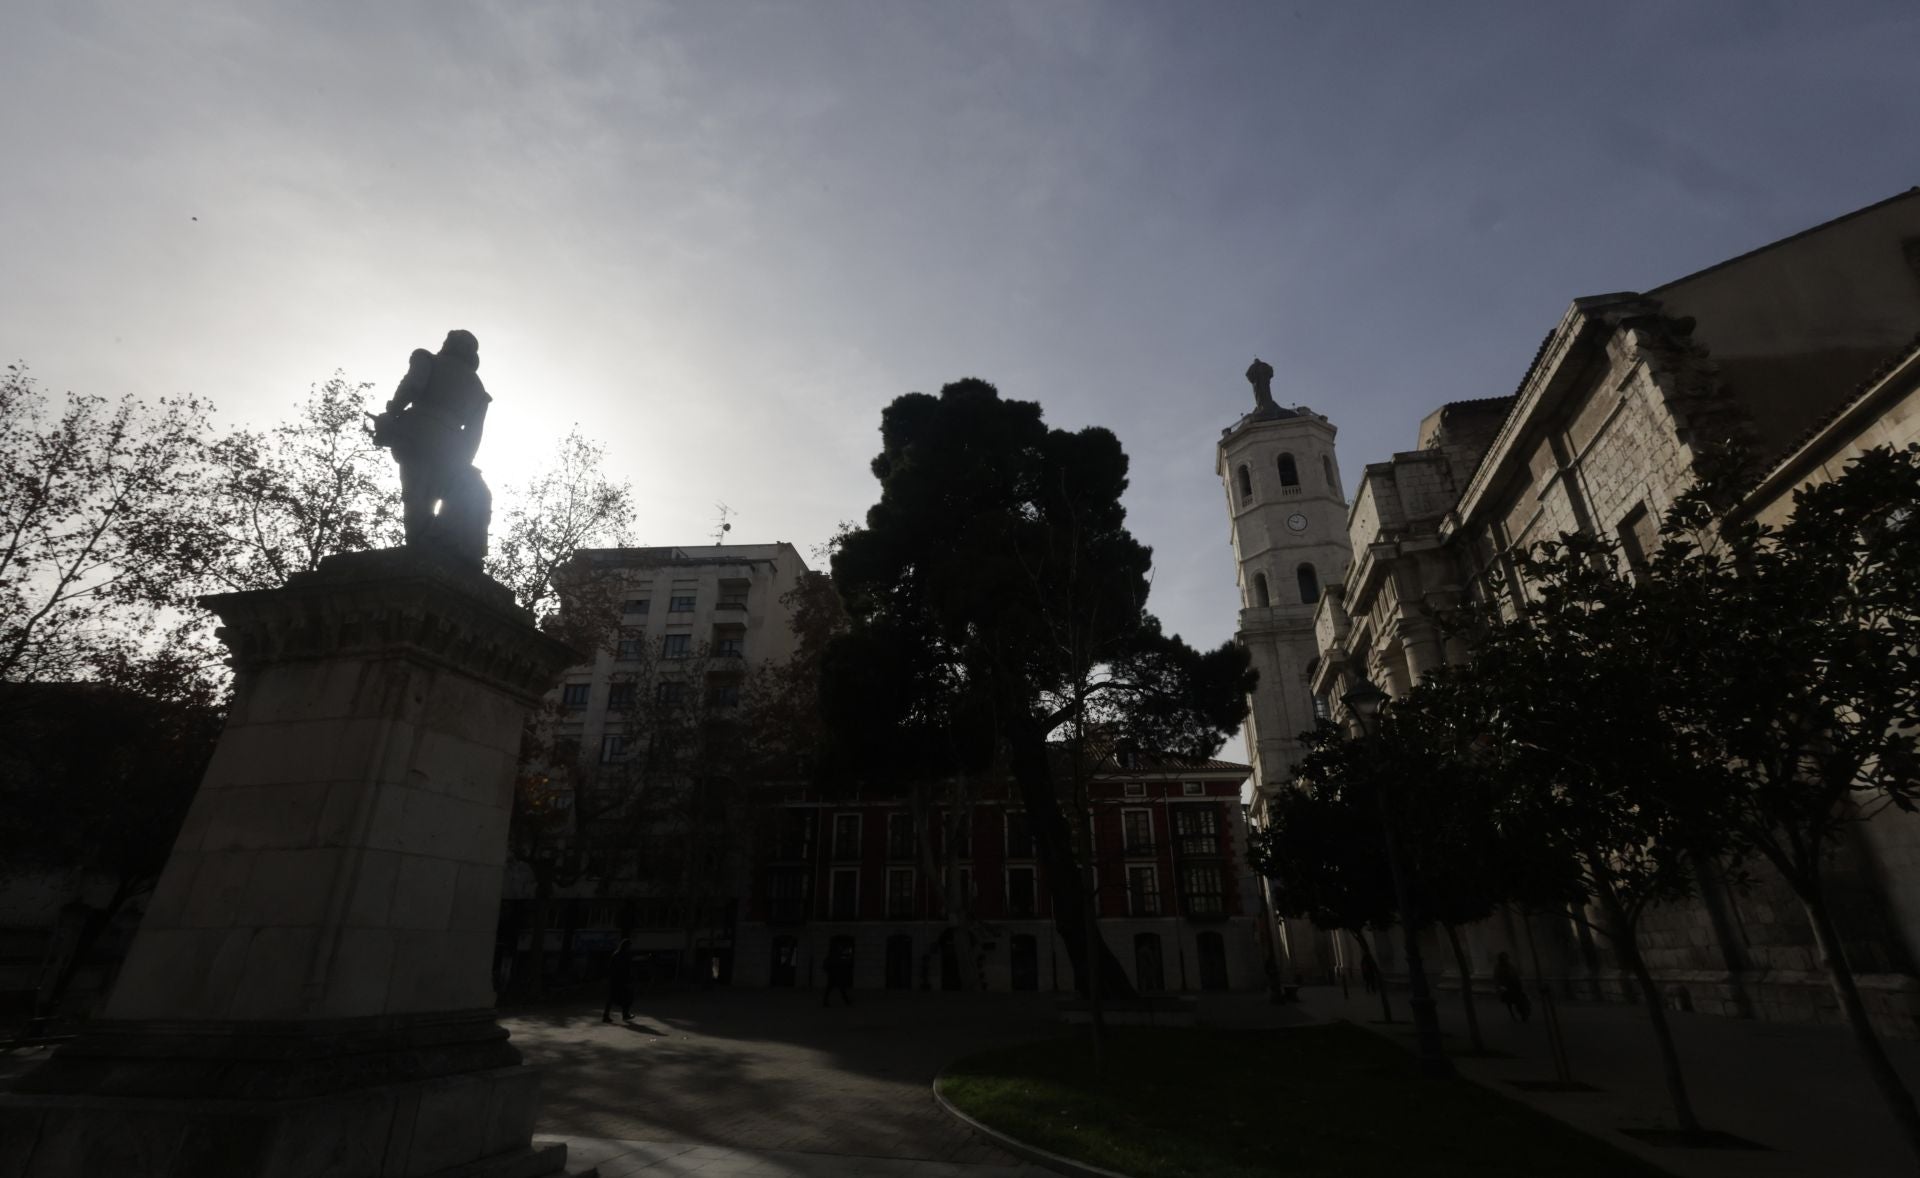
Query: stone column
x=309 y=992
x=1421 y=642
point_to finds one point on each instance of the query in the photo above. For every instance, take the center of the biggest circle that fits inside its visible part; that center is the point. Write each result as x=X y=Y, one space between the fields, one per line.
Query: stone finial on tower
x=1260 y=376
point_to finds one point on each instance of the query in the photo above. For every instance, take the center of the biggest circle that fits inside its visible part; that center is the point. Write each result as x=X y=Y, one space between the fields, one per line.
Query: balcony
x=1143 y=903
x=1204 y=907
x=731 y=603
x=1139 y=848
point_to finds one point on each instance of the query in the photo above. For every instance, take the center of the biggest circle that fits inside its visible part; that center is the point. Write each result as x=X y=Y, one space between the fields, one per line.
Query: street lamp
x=1363 y=704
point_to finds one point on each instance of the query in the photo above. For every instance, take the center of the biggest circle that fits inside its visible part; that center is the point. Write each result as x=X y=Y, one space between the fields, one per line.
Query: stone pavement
x=619 y=1159
x=773 y=1074
x=1799 y=1091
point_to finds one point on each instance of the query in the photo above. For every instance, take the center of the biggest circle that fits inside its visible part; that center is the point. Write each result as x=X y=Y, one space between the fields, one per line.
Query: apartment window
x=846 y=836
x=1137 y=827
x=676 y=646
x=1134 y=789
x=680 y=604
x=1197 y=829
x=733 y=599
x=960 y=828
x=619 y=697
x=1320 y=709
x=1261 y=598
x=636 y=607
x=787 y=896
x=1245 y=478
x=613 y=747
x=670 y=692
x=1021 y=904
x=899 y=836
x=1203 y=894
x=1143 y=891
x=844 y=903
x=900 y=893
x=730 y=648
x=1192 y=789
x=1019 y=835
x=796 y=834
x=1309 y=584
x=1289 y=472
x=723 y=695
x=628 y=649
x=573 y=696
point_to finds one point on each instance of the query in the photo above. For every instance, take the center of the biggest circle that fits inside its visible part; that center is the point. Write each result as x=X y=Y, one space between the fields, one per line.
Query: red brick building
x=1178 y=903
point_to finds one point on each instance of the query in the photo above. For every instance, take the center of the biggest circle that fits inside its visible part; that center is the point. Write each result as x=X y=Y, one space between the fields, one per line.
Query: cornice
x=394 y=602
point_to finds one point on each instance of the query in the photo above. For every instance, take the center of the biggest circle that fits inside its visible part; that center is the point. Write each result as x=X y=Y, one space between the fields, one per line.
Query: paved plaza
x=1799 y=1091
x=775 y=1075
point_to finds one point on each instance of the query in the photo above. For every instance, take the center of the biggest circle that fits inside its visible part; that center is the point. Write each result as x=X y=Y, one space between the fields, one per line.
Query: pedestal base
x=306 y=995
x=441 y=1096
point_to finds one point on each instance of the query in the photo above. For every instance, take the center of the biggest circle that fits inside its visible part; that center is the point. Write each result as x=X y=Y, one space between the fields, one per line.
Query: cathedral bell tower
x=1289 y=543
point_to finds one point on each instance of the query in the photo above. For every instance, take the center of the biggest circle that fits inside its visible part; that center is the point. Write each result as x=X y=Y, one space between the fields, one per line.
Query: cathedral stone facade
x=1805 y=352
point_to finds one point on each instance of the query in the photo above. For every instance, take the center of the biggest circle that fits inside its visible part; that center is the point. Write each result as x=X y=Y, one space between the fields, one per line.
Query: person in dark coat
x=839 y=976
x=1506 y=983
x=620 y=983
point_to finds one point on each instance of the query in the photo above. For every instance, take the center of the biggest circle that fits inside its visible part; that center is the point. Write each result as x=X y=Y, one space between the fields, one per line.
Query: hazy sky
x=721 y=236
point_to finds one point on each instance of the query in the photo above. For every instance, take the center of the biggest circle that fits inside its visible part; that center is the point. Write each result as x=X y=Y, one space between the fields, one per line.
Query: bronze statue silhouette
x=1260 y=375
x=433 y=426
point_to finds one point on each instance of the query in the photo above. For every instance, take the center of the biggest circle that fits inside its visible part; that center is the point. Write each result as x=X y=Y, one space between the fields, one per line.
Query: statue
x=1260 y=375
x=433 y=426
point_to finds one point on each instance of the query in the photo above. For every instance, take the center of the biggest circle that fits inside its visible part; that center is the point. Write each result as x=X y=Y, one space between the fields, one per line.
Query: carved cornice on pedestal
x=394 y=601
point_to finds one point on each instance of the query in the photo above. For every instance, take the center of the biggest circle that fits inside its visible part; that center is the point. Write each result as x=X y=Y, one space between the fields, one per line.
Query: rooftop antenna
x=721 y=527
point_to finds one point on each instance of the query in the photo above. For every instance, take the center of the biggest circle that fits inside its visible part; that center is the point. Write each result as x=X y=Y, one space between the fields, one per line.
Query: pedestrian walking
x=620 y=983
x=1506 y=983
x=839 y=976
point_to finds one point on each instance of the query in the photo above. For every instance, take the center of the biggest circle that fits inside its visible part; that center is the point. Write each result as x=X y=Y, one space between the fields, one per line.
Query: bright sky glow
x=722 y=236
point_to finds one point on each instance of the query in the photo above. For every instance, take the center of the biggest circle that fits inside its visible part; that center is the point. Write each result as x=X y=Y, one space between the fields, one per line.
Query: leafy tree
x=98 y=506
x=1323 y=849
x=997 y=603
x=306 y=489
x=569 y=506
x=1572 y=703
x=1798 y=656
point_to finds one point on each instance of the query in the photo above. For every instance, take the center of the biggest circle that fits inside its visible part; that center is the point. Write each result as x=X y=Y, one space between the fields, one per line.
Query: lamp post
x=1364 y=703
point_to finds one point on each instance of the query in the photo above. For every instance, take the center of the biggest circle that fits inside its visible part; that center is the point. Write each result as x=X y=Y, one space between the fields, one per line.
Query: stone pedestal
x=309 y=993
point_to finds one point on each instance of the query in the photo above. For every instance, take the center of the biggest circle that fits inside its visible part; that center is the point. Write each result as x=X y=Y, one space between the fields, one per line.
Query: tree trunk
x=1380 y=977
x=1053 y=840
x=96 y=922
x=537 y=950
x=1629 y=950
x=1833 y=955
x=1466 y=987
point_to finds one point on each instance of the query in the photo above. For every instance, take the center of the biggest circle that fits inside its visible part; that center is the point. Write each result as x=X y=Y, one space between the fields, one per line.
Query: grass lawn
x=1320 y=1100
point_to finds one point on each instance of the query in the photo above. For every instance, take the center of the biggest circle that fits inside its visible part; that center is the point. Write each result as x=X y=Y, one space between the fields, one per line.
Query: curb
x=1013 y=1145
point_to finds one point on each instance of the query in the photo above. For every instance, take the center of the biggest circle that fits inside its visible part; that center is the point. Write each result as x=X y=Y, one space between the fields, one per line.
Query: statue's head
x=463 y=344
